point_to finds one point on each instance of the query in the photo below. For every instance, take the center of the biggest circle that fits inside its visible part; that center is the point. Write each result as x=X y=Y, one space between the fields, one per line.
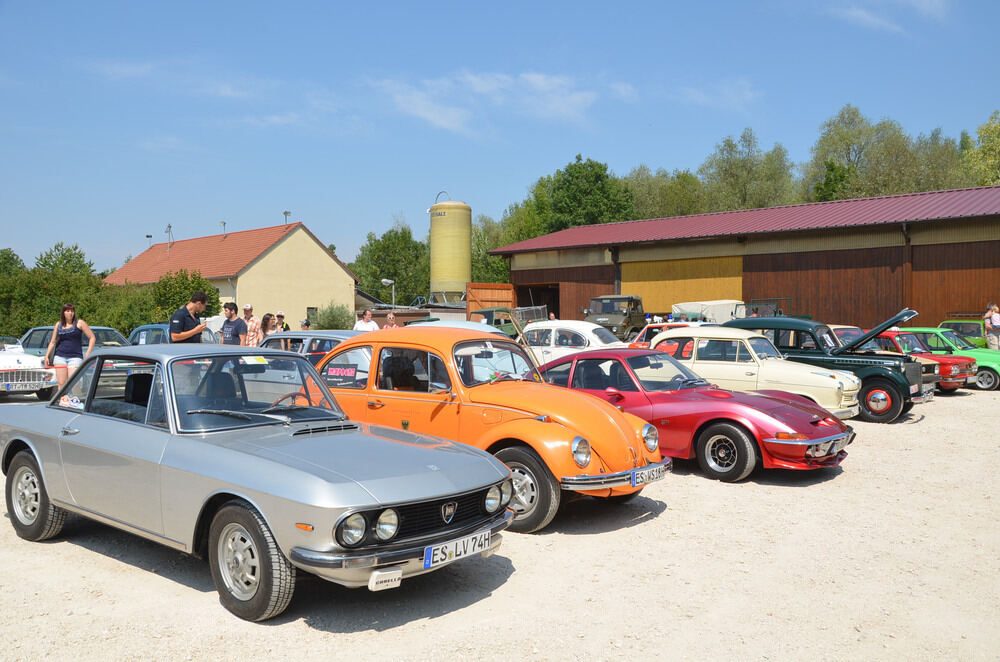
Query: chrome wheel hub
x=27 y=495
x=525 y=490
x=239 y=563
x=878 y=401
x=720 y=453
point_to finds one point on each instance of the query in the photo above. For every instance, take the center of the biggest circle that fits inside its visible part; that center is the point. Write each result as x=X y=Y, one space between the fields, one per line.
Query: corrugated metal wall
x=576 y=286
x=664 y=283
x=954 y=277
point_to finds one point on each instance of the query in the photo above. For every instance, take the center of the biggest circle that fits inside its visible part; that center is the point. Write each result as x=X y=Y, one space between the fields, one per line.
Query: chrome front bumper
x=620 y=479
x=849 y=412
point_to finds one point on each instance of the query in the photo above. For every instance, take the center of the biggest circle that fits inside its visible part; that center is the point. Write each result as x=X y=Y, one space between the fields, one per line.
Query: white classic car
x=741 y=360
x=554 y=339
x=24 y=373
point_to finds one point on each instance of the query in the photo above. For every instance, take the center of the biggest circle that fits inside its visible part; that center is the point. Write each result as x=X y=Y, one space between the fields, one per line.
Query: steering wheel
x=293 y=395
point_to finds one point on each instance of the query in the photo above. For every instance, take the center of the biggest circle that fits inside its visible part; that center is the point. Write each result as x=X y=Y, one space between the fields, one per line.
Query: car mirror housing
x=612 y=392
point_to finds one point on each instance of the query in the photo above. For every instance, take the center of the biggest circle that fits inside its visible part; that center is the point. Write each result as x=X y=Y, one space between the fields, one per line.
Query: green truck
x=621 y=314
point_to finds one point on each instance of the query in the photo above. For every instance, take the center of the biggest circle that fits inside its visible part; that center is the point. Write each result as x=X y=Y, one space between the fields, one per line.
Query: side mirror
x=612 y=392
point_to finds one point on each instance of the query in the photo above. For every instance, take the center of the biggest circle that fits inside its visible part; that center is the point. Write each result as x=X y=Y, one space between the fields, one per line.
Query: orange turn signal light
x=303 y=526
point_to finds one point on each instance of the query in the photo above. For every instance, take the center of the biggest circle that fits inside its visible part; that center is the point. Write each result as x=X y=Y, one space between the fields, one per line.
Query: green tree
x=738 y=175
x=397 y=256
x=662 y=194
x=834 y=183
x=174 y=290
x=70 y=259
x=983 y=159
x=332 y=248
x=585 y=193
x=939 y=163
x=334 y=316
x=10 y=263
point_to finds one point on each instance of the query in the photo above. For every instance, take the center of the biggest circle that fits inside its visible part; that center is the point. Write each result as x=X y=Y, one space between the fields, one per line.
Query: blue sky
x=117 y=119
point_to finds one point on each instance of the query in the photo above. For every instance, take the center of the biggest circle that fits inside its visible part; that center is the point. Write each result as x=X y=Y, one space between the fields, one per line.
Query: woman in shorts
x=67 y=338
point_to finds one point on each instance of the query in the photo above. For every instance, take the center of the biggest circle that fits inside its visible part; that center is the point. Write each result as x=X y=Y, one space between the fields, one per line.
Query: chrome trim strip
x=341 y=559
x=810 y=442
x=619 y=479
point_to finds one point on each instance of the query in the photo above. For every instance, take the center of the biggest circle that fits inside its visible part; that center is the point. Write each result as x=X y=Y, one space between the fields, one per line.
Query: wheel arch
x=731 y=421
x=15 y=446
x=212 y=505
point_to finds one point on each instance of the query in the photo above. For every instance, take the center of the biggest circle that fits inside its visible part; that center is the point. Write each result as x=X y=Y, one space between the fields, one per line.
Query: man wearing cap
x=304 y=325
x=282 y=324
x=253 y=327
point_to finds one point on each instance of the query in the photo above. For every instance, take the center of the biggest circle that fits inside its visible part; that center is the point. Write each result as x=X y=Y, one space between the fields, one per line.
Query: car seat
x=589 y=376
x=620 y=379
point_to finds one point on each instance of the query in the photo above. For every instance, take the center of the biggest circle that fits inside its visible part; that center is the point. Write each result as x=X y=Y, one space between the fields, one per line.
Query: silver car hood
x=389 y=464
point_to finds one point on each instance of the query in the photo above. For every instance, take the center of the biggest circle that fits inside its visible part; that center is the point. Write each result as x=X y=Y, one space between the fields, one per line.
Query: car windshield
x=605 y=336
x=764 y=349
x=608 y=305
x=490 y=361
x=222 y=392
x=850 y=334
x=909 y=343
x=958 y=340
x=660 y=372
x=108 y=338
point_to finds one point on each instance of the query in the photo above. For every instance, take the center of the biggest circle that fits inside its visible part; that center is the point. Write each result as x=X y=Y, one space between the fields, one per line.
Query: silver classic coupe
x=242 y=455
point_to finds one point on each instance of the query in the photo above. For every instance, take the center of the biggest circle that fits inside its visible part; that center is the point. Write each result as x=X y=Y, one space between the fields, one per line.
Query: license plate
x=648 y=475
x=24 y=386
x=453 y=550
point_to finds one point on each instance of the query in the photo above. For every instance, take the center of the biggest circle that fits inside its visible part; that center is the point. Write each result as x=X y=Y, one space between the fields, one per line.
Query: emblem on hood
x=448 y=511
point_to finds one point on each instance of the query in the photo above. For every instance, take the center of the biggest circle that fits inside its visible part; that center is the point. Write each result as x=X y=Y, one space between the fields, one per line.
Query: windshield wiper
x=292 y=407
x=692 y=381
x=500 y=376
x=240 y=414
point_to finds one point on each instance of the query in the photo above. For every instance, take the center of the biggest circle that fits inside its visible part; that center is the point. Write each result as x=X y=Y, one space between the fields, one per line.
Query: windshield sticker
x=70 y=401
x=253 y=359
x=341 y=375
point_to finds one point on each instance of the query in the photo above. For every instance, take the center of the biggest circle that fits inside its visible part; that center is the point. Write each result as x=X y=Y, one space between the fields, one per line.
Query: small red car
x=650 y=331
x=956 y=371
x=728 y=432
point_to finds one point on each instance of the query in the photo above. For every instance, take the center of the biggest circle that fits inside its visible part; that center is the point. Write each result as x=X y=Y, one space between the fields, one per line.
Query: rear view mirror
x=612 y=392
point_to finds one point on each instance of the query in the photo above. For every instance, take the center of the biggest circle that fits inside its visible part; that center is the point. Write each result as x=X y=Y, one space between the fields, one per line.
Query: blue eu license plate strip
x=648 y=475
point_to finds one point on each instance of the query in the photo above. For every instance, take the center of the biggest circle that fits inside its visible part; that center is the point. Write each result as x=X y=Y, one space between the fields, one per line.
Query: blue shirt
x=183 y=321
x=232 y=330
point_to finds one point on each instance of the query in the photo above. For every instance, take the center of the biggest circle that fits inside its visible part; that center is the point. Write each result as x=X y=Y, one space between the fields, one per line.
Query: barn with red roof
x=850 y=261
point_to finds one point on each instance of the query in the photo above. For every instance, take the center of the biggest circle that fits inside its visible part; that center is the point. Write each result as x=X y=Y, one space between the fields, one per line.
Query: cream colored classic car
x=742 y=360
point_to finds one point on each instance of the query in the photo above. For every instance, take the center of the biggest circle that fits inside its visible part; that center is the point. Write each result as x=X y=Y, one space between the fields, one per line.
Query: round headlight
x=651 y=437
x=506 y=492
x=581 y=451
x=352 y=529
x=492 y=501
x=387 y=524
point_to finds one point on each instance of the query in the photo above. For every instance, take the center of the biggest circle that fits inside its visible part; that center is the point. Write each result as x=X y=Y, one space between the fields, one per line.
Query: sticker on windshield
x=70 y=401
x=341 y=375
x=254 y=359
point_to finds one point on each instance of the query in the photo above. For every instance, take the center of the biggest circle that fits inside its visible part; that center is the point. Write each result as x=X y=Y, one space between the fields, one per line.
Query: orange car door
x=347 y=375
x=412 y=391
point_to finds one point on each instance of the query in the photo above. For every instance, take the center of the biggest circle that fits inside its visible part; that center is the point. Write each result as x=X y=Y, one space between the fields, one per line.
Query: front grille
x=928 y=368
x=912 y=372
x=22 y=376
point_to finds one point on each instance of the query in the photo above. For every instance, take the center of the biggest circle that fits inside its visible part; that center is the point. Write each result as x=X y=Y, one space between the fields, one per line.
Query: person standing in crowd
x=253 y=327
x=552 y=316
x=234 y=329
x=992 y=319
x=304 y=325
x=282 y=324
x=366 y=323
x=268 y=325
x=390 y=321
x=67 y=343
x=184 y=324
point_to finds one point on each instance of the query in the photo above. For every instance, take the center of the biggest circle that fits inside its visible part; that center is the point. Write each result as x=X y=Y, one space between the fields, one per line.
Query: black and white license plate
x=453 y=550
x=648 y=474
x=23 y=386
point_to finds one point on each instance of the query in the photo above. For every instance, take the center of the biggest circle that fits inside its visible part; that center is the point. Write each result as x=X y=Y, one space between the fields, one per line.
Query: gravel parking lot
x=893 y=556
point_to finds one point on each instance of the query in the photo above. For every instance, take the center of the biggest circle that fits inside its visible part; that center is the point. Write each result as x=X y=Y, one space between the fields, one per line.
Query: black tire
x=726 y=452
x=46 y=394
x=31 y=513
x=987 y=380
x=254 y=579
x=880 y=400
x=536 y=491
x=907 y=407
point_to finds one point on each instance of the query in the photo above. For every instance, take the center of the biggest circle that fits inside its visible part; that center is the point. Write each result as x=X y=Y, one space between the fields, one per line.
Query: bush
x=334 y=316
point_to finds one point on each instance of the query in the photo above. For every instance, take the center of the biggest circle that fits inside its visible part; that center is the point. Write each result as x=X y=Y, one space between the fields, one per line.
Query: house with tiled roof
x=847 y=261
x=283 y=267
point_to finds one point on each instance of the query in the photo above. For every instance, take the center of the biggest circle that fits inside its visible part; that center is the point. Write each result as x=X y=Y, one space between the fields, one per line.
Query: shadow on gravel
x=338 y=610
x=136 y=552
x=776 y=477
x=589 y=515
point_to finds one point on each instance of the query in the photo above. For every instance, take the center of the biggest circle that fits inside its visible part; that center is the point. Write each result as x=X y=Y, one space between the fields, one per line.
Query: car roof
x=461 y=324
x=620 y=353
x=167 y=352
x=575 y=325
x=793 y=323
x=429 y=335
x=335 y=334
x=709 y=332
x=925 y=329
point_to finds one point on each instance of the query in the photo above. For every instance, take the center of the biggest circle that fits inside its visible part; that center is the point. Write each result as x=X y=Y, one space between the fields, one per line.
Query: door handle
x=750 y=373
x=67 y=431
x=375 y=404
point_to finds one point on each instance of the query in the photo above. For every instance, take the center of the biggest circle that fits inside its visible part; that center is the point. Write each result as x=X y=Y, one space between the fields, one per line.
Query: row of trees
x=34 y=296
x=853 y=157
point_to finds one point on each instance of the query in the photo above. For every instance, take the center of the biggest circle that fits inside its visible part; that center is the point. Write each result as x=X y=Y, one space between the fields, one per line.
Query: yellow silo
x=451 y=250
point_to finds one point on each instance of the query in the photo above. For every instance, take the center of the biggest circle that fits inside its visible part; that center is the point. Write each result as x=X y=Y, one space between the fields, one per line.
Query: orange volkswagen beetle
x=482 y=389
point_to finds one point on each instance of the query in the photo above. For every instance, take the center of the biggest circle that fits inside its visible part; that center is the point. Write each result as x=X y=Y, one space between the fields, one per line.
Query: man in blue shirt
x=184 y=324
x=234 y=329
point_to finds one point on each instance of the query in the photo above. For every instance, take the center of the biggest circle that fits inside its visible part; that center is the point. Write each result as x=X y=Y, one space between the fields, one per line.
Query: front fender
x=550 y=440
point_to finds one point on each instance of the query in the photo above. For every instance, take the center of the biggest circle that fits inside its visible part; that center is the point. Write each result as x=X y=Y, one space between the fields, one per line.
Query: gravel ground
x=895 y=555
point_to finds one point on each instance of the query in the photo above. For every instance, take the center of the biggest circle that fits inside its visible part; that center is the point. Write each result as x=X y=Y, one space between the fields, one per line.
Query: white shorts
x=63 y=362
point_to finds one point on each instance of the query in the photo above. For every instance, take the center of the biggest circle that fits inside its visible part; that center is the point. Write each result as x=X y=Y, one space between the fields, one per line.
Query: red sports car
x=728 y=432
x=956 y=371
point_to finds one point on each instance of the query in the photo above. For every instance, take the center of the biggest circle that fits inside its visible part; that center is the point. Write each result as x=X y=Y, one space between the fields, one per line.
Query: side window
x=123 y=389
x=156 y=411
x=438 y=378
x=558 y=375
x=348 y=369
x=401 y=369
x=679 y=348
x=716 y=350
x=272 y=343
x=567 y=338
x=932 y=341
x=806 y=340
x=39 y=339
x=885 y=343
x=592 y=374
x=538 y=337
x=75 y=395
x=743 y=354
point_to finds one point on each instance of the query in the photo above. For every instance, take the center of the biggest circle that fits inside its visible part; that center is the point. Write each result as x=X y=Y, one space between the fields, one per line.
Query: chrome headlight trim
x=493 y=499
x=387 y=524
x=651 y=437
x=351 y=531
x=581 y=451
